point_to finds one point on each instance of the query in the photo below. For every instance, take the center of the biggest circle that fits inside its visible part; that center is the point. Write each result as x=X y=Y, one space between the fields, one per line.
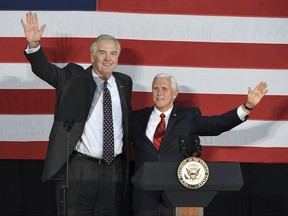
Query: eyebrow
x=114 y=51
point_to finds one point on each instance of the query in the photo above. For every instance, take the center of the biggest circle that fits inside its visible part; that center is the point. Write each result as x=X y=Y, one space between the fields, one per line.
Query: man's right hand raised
x=31 y=29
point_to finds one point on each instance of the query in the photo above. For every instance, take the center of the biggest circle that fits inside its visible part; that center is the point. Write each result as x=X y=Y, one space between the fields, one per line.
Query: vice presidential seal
x=193 y=172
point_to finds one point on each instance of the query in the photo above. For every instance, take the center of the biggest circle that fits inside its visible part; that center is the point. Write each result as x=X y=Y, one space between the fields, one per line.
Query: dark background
x=265 y=191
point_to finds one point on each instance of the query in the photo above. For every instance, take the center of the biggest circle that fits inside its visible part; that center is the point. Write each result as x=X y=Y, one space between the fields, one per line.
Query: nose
x=107 y=57
x=159 y=92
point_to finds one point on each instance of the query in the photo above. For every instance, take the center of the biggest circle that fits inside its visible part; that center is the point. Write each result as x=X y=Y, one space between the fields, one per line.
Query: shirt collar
x=156 y=112
x=100 y=81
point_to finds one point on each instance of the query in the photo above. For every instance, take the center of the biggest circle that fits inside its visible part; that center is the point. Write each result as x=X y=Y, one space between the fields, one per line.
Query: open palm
x=256 y=95
x=31 y=29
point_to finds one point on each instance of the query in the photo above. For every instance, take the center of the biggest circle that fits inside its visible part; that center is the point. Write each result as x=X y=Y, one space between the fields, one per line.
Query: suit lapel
x=122 y=95
x=171 y=123
x=144 y=122
x=92 y=86
x=145 y=118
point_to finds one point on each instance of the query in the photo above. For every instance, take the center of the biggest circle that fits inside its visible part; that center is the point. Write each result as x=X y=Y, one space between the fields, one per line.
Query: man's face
x=163 y=93
x=105 y=58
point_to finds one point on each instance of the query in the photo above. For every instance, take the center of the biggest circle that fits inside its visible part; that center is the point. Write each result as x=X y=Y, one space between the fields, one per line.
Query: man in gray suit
x=185 y=122
x=97 y=187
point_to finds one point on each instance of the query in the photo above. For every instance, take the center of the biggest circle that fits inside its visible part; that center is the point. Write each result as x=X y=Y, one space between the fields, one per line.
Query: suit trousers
x=94 y=189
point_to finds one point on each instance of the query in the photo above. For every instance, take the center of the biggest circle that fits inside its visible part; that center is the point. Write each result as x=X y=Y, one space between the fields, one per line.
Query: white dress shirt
x=154 y=121
x=91 y=142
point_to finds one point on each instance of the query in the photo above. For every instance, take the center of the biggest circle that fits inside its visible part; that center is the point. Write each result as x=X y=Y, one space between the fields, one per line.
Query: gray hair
x=173 y=80
x=95 y=43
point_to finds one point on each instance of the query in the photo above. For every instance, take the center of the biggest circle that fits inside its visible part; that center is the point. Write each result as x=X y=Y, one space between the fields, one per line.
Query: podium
x=162 y=176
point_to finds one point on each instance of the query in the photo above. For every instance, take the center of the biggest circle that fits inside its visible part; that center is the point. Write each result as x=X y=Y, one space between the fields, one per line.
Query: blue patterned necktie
x=108 y=132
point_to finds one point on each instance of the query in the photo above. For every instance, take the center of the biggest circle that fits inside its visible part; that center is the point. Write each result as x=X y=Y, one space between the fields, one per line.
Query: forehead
x=107 y=44
x=162 y=81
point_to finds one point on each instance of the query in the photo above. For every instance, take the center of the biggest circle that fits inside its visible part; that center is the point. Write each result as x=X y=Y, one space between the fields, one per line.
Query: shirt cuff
x=241 y=113
x=31 y=50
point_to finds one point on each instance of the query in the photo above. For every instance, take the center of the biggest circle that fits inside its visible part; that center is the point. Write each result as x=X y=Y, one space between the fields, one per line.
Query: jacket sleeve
x=217 y=124
x=48 y=72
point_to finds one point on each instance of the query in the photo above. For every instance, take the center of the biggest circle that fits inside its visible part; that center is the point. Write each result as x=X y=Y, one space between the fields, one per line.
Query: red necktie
x=159 y=132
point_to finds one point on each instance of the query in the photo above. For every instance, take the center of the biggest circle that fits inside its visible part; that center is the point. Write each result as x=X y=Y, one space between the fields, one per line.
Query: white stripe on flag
x=25 y=127
x=252 y=133
x=191 y=80
x=153 y=26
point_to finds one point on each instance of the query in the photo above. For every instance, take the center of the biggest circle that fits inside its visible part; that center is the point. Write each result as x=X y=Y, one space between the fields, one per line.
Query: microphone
x=183 y=147
x=197 y=146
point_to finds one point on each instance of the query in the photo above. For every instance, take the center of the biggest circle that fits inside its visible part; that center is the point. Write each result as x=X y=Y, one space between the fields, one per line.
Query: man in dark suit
x=184 y=122
x=97 y=185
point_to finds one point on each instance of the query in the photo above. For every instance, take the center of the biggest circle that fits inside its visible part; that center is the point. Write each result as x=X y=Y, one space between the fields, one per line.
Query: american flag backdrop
x=215 y=49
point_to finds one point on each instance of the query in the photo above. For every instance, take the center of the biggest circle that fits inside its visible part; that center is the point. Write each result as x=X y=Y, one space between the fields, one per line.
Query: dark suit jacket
x=75 y=89
x=182 y=122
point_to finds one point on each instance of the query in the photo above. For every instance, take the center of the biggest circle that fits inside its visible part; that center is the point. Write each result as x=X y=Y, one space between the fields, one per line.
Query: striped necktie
x=159 y=132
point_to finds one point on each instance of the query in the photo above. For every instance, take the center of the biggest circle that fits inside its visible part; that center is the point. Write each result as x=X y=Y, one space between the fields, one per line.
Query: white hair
x=95 y=43
x=173 y=80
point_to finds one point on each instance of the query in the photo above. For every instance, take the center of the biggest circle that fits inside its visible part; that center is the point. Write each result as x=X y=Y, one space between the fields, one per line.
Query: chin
x=159 y=107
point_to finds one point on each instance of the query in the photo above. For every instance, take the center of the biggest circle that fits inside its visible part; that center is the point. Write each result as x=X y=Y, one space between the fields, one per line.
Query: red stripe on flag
x=255 y=8
x=27 y=101
x=154 y=53
x=41 y=101
x=240 y=154
x=204 y=54
x=31 y=150
x=56 y=49
x=244 y=154
x=36 y=150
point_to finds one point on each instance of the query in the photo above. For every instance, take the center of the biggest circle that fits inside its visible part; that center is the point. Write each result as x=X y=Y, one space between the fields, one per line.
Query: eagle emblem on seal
x=192 y=175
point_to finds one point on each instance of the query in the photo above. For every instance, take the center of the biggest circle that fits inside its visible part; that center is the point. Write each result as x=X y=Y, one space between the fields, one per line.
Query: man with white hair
x=156 y=131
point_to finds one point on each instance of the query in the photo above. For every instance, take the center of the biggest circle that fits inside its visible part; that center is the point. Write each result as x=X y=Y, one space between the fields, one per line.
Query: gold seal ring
x=193 y=173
